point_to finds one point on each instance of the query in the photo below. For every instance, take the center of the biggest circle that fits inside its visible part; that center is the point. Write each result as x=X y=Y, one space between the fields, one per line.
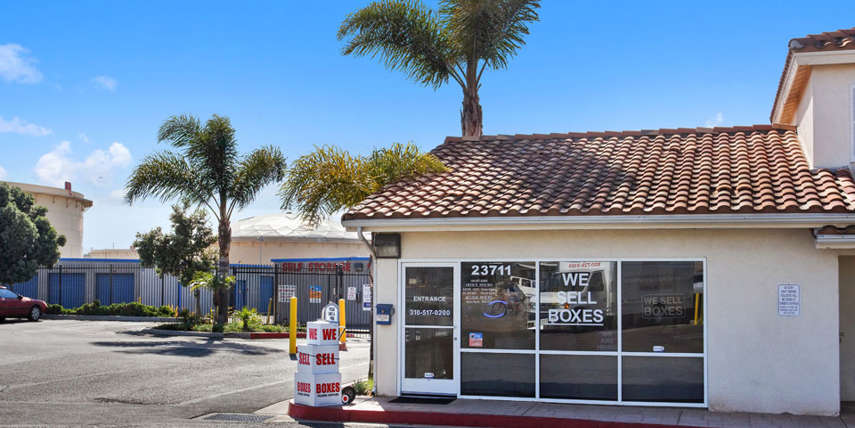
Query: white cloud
x=16 y=66
x=58 y=165
x=105 y=82
x=83 y=137
x=2 y=173
x=18 y=126
x=118 y=194
x=715 y=121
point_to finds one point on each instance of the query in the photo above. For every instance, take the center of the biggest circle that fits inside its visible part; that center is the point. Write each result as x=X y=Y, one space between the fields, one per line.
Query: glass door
x=430 y=338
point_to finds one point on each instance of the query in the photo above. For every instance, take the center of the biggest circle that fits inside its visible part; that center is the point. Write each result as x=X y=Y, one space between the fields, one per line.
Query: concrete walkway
x=519 y=413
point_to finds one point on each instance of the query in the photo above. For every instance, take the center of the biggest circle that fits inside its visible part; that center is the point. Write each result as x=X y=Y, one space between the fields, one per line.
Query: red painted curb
x=339 y=414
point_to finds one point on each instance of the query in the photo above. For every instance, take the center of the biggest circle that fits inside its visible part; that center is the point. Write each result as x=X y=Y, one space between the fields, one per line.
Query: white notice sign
x=789 y=300
x=286 y=291
x=351 y=293
x=366 y=297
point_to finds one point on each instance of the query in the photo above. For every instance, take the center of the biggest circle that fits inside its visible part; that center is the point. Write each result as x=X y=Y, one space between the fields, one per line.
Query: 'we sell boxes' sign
x=318 y=381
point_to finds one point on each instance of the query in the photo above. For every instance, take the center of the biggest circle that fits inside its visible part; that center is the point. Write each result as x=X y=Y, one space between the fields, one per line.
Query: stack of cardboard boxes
x=318 y=381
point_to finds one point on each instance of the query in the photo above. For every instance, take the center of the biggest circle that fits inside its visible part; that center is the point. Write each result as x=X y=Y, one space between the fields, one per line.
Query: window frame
x=618 y=353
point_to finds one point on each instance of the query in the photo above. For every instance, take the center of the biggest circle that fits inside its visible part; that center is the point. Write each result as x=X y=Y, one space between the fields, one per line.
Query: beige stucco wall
x=828 y=130
x=804 y=122
x=757 y=360
x=847 y=328
x=247 y=251
x=66 y=216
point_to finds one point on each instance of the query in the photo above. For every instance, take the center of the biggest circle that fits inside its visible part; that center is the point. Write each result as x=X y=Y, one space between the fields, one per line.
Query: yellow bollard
x=342 y=324
x=292 y=327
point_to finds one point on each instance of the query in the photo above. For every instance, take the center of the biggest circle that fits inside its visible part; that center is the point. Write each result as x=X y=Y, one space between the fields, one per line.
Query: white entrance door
x=429 y=329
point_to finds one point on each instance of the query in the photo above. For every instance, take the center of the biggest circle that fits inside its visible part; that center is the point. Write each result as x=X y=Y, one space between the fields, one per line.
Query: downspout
x=372 y=273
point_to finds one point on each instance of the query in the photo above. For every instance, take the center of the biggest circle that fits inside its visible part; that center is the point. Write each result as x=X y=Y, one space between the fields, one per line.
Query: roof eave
x=796 y=60
x=653 y=221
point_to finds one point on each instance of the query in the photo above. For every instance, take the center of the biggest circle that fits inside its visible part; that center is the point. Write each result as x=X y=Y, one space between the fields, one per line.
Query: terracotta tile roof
x=753 y=169
x=825 y=42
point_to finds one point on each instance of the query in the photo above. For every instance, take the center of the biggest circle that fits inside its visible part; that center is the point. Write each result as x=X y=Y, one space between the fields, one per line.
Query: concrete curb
x=239 y=335
x=107 y=318
x=344 y=415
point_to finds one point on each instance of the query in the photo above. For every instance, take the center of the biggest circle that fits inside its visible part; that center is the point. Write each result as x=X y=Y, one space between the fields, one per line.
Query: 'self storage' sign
x=318 y=381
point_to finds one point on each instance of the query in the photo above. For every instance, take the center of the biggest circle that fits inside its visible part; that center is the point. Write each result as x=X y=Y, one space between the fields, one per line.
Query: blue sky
x=85 y=85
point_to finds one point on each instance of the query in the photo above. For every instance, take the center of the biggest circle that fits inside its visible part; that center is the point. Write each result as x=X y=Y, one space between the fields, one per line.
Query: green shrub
x=133 y=309
x=273 y=328
x=364 y=387
x=217 y=328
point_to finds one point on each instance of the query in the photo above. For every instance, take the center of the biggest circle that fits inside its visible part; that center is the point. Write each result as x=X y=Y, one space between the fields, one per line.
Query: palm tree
x=331 y=179
x=460 y=41
x=206 y=171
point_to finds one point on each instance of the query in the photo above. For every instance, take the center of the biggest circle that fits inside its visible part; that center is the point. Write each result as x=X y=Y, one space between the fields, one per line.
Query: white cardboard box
x=317 y=390
x=321 y=333
x=316 y=359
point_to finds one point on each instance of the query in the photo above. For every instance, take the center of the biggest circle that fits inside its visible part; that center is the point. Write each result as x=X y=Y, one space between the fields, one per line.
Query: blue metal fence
x=114 y=287
x=29 y=289
x=67 y=289
x=73 y=282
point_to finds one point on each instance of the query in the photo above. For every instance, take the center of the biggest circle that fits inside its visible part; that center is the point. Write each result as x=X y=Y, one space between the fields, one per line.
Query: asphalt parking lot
x=100 y=372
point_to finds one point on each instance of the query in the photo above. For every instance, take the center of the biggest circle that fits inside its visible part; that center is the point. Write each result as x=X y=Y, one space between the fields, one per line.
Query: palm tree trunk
x=470 y=118
x=225 y=242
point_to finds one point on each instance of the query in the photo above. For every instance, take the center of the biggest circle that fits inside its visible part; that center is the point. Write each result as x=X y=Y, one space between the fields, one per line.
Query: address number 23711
x=488 y=269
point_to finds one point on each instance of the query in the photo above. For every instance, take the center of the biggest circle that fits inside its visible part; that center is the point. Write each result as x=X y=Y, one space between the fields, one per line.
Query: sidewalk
x=496 y=413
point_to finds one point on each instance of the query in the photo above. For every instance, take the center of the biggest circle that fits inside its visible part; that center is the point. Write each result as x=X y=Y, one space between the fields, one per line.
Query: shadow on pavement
x=184 y=348
x=9 y=321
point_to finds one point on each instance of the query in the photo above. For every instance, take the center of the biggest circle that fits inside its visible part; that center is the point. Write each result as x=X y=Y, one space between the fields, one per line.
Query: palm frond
x=179 y=130
x=330 y=179
x=399 y=162
x=489 y=30
x=262 y=167
x=323 y=182
x=214 y=154
x=405 y=34
x=165 y=176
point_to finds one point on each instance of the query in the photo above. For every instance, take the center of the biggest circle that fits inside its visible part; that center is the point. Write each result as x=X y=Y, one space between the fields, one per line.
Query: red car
x=14 y=305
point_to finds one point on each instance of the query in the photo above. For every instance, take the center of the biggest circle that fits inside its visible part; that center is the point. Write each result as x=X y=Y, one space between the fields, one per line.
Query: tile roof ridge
x=626 y=133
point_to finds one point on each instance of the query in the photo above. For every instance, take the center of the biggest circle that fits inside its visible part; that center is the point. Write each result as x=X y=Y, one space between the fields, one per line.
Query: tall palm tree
x=459 y=41
x=206 y=170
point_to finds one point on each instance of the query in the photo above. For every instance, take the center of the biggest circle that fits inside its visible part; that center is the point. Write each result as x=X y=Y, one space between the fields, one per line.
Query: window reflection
x=498 y=305
x=429 y=296
x=507 y=375
x=578 y=306
x=429 y=353
x=662 y=306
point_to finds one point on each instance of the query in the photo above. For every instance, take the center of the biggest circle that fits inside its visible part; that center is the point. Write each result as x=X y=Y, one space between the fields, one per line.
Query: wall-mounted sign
x=789 y=300
x=351 y=293
x=315 y=294
x=286 y=292
x=366 y=297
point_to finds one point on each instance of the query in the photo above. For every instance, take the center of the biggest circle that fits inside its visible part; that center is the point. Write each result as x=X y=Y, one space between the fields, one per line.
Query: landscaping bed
x=132 y=309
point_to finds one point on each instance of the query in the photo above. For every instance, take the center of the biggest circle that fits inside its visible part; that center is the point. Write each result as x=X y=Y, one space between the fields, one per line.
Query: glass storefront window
x=496 y=374
x=579 y=377
x=498 y=305
x=662 y=306
x=429 y=353
x=429 y=296
x=578 y=306
x=663 y=379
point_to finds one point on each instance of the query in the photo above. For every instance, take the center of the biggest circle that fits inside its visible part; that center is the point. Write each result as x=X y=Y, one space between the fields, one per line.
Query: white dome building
x=284 y=236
